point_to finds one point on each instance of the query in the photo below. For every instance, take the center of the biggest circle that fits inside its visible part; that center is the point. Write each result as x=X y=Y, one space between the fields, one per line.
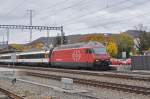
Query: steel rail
x=108 y=85
x=110 y=74
x=10 y=94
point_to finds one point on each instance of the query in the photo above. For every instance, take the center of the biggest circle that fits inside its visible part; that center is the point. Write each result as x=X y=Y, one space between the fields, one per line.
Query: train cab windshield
x=101 y=50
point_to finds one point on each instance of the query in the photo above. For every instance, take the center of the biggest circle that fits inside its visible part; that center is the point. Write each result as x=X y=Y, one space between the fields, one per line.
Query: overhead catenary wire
x=60 y=10
x=132 y=6
x=16 y=7
x=100 y=9
x=55 y=12
x=112 y=22
x=113 y=5
x=118 y=3
x=119 y=17
x=69 y=22
x=122 y=2
x=55 y=5
x=51 y=7
x=104 y=9
x=65 y=8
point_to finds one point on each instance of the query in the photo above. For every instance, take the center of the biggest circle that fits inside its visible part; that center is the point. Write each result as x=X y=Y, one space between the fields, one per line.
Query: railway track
x=139 y=77
x=108 y=85
x=10 y=94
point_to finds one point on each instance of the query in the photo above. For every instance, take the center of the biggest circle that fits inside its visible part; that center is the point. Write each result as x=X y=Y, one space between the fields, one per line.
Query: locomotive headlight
x=97 y=60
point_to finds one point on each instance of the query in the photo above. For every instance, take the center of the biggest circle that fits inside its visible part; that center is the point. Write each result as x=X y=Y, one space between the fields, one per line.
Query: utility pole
x=30 y=13
x=7 y=38
x=107 y=5
x=3 y=42
x=62 y=35
x=48 y=39
x=7 y=35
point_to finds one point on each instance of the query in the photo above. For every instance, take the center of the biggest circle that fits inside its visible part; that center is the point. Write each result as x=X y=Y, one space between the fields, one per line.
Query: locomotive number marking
x=76 y=55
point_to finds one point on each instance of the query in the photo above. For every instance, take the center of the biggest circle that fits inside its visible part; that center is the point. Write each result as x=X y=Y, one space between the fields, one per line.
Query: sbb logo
x=76 y=55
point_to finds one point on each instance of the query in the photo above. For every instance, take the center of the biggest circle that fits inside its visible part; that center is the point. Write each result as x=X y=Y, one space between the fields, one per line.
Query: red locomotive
x=88 y=55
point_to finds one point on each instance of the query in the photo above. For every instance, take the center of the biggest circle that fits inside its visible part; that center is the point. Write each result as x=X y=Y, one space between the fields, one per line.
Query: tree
x=112 y=49
x=19 y=47
x=143 y=41
x=125 y=43
x=94 y=37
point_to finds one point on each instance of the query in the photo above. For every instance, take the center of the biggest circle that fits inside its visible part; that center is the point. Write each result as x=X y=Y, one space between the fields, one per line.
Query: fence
x=140 y=62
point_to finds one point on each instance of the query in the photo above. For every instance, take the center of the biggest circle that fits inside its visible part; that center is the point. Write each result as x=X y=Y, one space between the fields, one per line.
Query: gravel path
x=32 y=91
x=3 y=96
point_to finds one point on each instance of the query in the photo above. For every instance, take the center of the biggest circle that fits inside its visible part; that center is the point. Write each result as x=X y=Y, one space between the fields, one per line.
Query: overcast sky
x=77 y=16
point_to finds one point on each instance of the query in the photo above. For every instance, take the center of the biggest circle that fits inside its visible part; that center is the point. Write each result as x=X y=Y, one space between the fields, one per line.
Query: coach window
x=33 y=56
x=21 y=56
x=36 y=55
x=29 y=56
x=5 y=57
x=25 y=56
x=41 y=55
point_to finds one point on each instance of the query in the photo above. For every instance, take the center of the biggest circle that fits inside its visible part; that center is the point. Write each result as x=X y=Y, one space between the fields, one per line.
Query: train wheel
x=104 y=66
